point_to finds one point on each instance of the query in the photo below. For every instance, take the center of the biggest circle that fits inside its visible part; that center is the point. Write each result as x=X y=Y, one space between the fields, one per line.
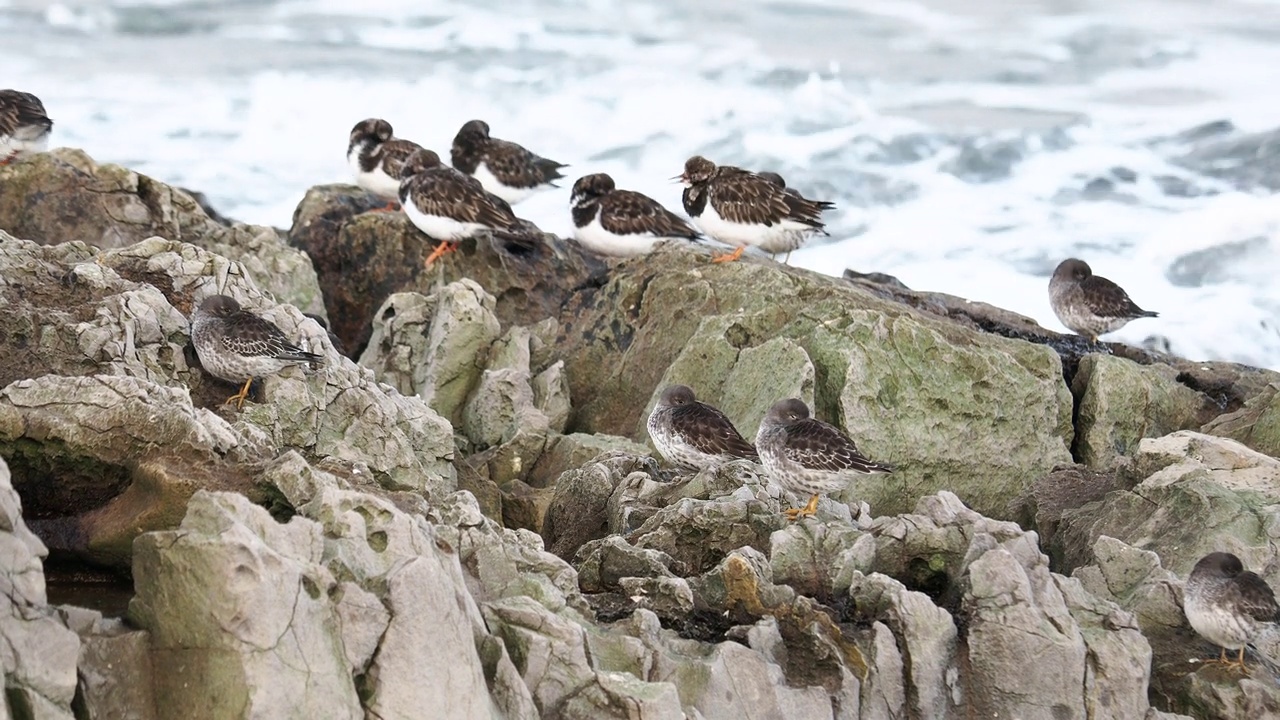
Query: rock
x=979 y=416
x=129 y=454
x=524 y=506
x=115 y=673
x=210 y=595
x=1120 y=402
x=64 y=196
x=1257 y=424
x=97 y=362
x=40 y=657
x=363 y=258
x=434 y=346
x=579 y=512
x=1232 y=493
x=569 y=452
x=1066 y=487
x=603 y=563
x=623 y=696
x=700 y=533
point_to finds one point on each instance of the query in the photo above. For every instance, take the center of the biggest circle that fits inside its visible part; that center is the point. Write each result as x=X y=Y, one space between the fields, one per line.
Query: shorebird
x=449 y=206
x=24 y=125
x=376 y=157
x=237 y=346
x=621 y=223
x=1227 y=604
x=1088 y=304
x=504 y=168
x=807 y=456
x=693 y=434
x=742 y=208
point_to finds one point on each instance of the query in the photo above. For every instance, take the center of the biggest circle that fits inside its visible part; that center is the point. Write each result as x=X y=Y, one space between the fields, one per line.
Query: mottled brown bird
x=1088 y=304
x=693 y=434
x=742 y=208
x=621 y=223
x=504 y=168
x=24 y=125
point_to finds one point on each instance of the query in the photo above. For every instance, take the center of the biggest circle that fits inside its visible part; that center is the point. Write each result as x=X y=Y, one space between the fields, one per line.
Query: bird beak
x=682 y=178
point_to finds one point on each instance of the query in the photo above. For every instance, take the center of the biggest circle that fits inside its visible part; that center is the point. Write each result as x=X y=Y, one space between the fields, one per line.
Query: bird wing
x=743 y=197
x=1107 y=299
x=448 y=193
x=819 y=446
x=515 y=166
x=394 y=153
x=632 y=213
x=252 y=336
x=710 y=431
x=20 y=109
x=1255 y=597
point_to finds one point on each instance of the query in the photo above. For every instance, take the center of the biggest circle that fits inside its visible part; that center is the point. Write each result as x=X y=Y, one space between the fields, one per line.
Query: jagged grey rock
x=64 y=196
x=1232 y=492
x=1121 y=402
x=434 y=345
x=238 y=605
x=978 y=414
x=40 y=657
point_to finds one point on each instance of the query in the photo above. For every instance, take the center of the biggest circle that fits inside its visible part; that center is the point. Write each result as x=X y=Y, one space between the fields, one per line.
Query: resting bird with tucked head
x=1088 y=304
x=807 y=456
x=237 y=346
x=1227 y=604
x=693 y=434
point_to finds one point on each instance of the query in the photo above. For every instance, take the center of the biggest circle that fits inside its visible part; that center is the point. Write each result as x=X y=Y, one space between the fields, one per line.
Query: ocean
x=969 y=147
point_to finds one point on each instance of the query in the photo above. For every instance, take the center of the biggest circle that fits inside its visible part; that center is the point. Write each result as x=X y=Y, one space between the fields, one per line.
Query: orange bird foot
x=806 y=511
x=389 y=207
x=441 y=249
x=239 y=397
x=729 y=257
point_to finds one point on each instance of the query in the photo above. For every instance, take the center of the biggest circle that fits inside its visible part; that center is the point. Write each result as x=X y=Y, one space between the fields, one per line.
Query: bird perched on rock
x=693 y=434
x=450 y=206
x=24 y=125
x=376 y=157
x=504 y=168
x=1088 y=304
x=805 y=455
x=622 y=223
x=742 y=208
x=237 y=346
x=1227 y=604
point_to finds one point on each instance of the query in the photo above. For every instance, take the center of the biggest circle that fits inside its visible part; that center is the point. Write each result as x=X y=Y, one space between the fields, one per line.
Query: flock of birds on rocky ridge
x=1223 y=602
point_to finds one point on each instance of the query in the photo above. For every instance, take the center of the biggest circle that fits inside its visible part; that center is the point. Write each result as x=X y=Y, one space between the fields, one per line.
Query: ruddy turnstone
x=24 y=126
x=742 y=208
x=503 y=168
x=621 y=222
x=449 y=206
x=376 y=157
x=1088 y=304
x=1227 y=604
x=693 y=434
x=237 y=346
x=805 y=455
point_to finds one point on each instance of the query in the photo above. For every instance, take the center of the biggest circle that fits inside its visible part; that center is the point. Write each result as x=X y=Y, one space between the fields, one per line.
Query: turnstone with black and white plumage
x=236 y=345
x=623 y=223
x=807 y=456
x=693 y=434
x=450 y=206
x=376 y=157
x=504 y=168
x=742 y=208
x=1088 y=304
x=1227 y=604
x=24 y=125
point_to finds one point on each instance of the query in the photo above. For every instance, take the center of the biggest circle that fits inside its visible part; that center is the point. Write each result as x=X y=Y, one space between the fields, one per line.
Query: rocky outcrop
x=468 y=519
x=104 y=393
x=979 y=417
x=363 y=258
x=64 y=196
x=1192 y=494
x=39 y=661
